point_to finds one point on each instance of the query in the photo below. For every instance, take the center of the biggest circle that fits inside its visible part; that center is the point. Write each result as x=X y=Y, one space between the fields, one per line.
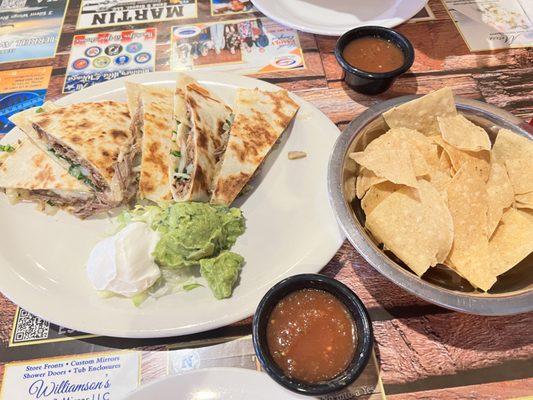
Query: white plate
x=291 y=229
x=216 y=384
x=334 y=17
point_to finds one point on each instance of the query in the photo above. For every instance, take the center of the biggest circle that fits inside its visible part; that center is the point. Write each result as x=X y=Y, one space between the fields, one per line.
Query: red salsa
x=311 y=335
x=372 y=54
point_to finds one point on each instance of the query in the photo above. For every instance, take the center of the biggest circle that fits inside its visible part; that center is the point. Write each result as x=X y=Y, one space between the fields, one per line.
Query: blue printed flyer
x=19 y=90
x=30 y=29
x=101 y=57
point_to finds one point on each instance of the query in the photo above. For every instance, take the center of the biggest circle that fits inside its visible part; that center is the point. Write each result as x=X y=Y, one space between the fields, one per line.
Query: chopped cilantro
x=229 y=122
x=76 y=172
x=39 y=110
x=176 y=153
x=7 y=148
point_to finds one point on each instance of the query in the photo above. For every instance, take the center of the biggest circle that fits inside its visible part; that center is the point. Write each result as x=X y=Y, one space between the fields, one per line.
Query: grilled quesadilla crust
x=30 y=174
x=260 y=119
x=156 y=108
x=202 y=145
x=95 y=137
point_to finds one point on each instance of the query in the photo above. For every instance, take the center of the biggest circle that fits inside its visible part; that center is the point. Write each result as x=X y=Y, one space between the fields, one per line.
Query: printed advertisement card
x=493 y=24
x=104 y=56
x=254 y=45
x=98 y=13
x=230 y=7
x=95 y=376
x=21 y=89
x=30 y=29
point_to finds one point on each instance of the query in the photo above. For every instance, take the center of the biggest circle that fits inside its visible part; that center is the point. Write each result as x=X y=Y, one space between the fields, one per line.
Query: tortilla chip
x=421 y=114
x=440 y=180
x=524 y=200
x=414 y=225
x=468 y=204
x=500 y=195
x=423 y=151
x=480 y=160
x=520 y=172
x=511 y=242
x=510 y=145
x=463 y=134
x=394 y=165
x=376 y=194
x=445 y=164
x=365 y=180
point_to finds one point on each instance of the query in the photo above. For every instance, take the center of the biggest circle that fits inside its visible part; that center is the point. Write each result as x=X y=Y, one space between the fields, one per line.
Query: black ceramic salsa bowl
x=373 y=82
x=355 y=307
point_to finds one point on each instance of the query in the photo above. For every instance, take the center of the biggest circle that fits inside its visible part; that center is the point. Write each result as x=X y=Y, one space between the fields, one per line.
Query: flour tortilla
x=30 y=168
x=157 y=105
x=260 y=119
x=95 y=135
x=204 y=145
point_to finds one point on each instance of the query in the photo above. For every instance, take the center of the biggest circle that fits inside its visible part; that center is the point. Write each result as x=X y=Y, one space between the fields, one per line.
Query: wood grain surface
x=424 y=351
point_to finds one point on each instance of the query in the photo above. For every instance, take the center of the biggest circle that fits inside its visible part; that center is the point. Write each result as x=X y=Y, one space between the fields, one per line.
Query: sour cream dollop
x=123 y=263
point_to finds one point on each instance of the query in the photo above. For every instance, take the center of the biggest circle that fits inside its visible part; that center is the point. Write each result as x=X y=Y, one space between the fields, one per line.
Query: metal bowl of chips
x=513 y=291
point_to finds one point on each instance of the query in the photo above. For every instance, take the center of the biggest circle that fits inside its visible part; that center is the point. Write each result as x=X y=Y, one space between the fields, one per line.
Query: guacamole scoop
x=191 y=232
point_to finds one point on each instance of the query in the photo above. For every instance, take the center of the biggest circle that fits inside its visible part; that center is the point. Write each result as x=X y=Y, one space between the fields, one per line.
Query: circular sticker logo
x=101 y=62
x=80 y=63
x=186 y=32
x=143 y=58
x=93 y=51
x=287 y=61
x=122 y=60
x=134 y=47
x=113 y=49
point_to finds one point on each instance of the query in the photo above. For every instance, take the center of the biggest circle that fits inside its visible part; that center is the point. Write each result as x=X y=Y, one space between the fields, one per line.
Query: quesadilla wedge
x=152 y=109
x=92 y=141
x=29 y=174
x=202 y=136
x=260 y=119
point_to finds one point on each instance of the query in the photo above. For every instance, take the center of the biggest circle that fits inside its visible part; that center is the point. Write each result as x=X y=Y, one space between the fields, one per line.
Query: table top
x=423 y=351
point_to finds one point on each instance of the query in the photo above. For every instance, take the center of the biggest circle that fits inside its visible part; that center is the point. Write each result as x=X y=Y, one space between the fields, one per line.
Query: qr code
x=29 y=327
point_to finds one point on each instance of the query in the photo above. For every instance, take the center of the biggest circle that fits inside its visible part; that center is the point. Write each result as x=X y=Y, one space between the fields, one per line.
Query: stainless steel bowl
x=512 y=294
